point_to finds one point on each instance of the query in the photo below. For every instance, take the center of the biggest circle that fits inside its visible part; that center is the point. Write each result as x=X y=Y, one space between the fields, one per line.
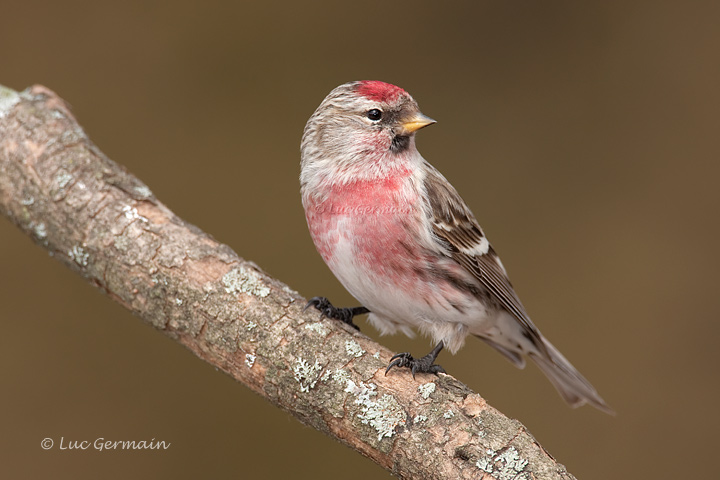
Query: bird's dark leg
x=425 y=364
x=328 y=310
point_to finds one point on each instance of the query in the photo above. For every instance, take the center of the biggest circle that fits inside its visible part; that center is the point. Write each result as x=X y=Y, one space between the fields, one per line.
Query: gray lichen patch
x=505 y=465
x=485 y=464
x=62 y=179
x=131 y=213
x=384 y=414
x=78 y=254
x=481 y=433
x=142 y=191
x=250 y=360
x=245 y=280
x=419 y=418
x=426 y=389
x=341 y=376
x=318 y=328
x=354 y=349
x=40 y=231
x=8 y=99
x=307 y=375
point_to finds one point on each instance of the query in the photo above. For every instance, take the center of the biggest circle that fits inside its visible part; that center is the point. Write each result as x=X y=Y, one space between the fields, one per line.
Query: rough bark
x=105 y=224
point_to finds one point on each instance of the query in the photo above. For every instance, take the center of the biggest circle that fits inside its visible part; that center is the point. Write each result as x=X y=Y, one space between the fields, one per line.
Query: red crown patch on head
x=379 y=91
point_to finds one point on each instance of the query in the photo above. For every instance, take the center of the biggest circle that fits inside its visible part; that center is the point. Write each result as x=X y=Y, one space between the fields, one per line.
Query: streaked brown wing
x=458 y=230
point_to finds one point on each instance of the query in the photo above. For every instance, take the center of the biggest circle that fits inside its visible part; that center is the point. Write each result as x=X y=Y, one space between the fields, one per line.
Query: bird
x=402 y=241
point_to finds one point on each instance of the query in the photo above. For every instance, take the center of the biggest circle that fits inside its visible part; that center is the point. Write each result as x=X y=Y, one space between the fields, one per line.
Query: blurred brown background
x=584 y=137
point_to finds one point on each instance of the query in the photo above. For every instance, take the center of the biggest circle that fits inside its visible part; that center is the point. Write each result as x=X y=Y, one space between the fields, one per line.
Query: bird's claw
x=399 y=360
x=319 y=303
x=328 y=310
x=422 y=365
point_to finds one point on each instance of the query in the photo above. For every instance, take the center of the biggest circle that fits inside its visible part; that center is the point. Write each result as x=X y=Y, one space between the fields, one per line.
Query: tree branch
x=105 y=224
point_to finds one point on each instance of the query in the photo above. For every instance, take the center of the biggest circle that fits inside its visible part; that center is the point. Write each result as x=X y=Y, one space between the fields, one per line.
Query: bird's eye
x=374 y=114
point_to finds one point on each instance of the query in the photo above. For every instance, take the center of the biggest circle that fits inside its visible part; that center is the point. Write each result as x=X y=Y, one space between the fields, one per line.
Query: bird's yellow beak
x=415 y=123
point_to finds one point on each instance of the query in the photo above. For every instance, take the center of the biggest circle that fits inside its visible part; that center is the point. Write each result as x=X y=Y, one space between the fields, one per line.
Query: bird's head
x=363 y=122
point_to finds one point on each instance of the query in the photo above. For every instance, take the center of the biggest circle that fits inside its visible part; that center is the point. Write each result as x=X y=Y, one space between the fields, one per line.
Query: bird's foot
x=425 y=364
x=327 y=309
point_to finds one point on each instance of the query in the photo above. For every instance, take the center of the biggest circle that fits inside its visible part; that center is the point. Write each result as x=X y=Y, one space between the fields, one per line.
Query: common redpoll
x=401 y=240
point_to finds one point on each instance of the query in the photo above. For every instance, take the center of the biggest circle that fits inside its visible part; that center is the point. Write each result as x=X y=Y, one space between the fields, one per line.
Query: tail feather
x=572 y=386
x=515 y=357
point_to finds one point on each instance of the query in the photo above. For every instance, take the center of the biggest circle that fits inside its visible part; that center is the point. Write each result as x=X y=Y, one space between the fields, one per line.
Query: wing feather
x=463 y=240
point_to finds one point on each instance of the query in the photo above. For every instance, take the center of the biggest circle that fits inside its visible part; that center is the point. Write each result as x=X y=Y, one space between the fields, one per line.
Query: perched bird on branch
x=400 y=239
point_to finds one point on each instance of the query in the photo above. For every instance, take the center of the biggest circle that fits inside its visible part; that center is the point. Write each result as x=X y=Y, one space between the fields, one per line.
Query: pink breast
x=373 y=222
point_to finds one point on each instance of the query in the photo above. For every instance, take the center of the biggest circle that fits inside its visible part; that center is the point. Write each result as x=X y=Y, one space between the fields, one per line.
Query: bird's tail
x=572 y=386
